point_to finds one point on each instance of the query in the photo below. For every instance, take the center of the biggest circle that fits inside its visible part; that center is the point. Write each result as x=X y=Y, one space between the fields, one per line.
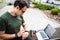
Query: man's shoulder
x=4 y=16
x=21 y=16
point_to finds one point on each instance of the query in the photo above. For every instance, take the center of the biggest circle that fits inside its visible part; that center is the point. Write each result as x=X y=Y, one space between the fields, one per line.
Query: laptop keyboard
x=43 y=34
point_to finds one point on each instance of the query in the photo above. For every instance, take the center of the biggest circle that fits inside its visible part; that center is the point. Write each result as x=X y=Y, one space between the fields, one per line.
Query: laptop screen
x=49 y=30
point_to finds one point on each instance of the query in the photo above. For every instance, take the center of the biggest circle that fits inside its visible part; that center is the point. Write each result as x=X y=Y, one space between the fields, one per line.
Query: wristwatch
x=16 y=35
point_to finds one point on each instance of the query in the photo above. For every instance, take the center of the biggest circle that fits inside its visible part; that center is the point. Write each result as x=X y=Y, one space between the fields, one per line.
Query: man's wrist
x=16 y=35
x=26 y=31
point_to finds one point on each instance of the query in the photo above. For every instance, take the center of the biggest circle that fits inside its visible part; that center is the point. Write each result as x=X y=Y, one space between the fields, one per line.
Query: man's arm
x=25 y=34
x=25 y=26
x=6 y=36
x=3 y=35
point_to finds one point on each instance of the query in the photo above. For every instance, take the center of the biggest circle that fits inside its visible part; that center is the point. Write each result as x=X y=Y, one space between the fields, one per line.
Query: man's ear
x=17 y=7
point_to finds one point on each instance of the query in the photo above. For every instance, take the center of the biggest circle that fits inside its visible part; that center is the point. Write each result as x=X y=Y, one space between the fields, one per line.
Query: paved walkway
x=34 y=18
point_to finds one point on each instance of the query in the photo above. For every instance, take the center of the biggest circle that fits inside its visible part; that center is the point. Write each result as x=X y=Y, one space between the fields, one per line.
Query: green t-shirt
x=10 y=24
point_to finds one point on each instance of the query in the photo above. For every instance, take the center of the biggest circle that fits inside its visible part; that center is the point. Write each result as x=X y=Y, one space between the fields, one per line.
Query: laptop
x=48 y=32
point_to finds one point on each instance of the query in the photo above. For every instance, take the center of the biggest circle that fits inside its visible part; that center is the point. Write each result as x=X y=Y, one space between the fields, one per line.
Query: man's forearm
x=25 y=26
x=7 y=36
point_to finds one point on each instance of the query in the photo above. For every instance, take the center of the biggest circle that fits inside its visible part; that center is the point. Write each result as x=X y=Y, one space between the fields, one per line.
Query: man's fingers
x=25 y=35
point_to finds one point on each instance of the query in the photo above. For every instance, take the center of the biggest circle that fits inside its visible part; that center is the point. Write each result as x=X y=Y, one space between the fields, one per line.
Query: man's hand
x=20 y=33
x=25 y=35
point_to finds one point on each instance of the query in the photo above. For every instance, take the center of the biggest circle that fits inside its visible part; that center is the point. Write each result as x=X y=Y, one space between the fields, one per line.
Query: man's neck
x=12 y=12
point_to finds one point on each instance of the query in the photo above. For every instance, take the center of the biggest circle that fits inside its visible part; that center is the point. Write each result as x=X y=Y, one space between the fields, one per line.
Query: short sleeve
x=22 y=19
x=2 y=25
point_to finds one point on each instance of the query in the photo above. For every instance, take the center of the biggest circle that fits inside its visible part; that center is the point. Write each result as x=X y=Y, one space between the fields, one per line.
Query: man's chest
x=14 y=22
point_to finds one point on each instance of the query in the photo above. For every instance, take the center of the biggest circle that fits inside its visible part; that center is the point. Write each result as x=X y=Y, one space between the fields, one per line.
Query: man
x=11 y=21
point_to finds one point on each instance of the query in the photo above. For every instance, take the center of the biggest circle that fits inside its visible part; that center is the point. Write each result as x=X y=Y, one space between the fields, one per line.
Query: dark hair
x=21 y=4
